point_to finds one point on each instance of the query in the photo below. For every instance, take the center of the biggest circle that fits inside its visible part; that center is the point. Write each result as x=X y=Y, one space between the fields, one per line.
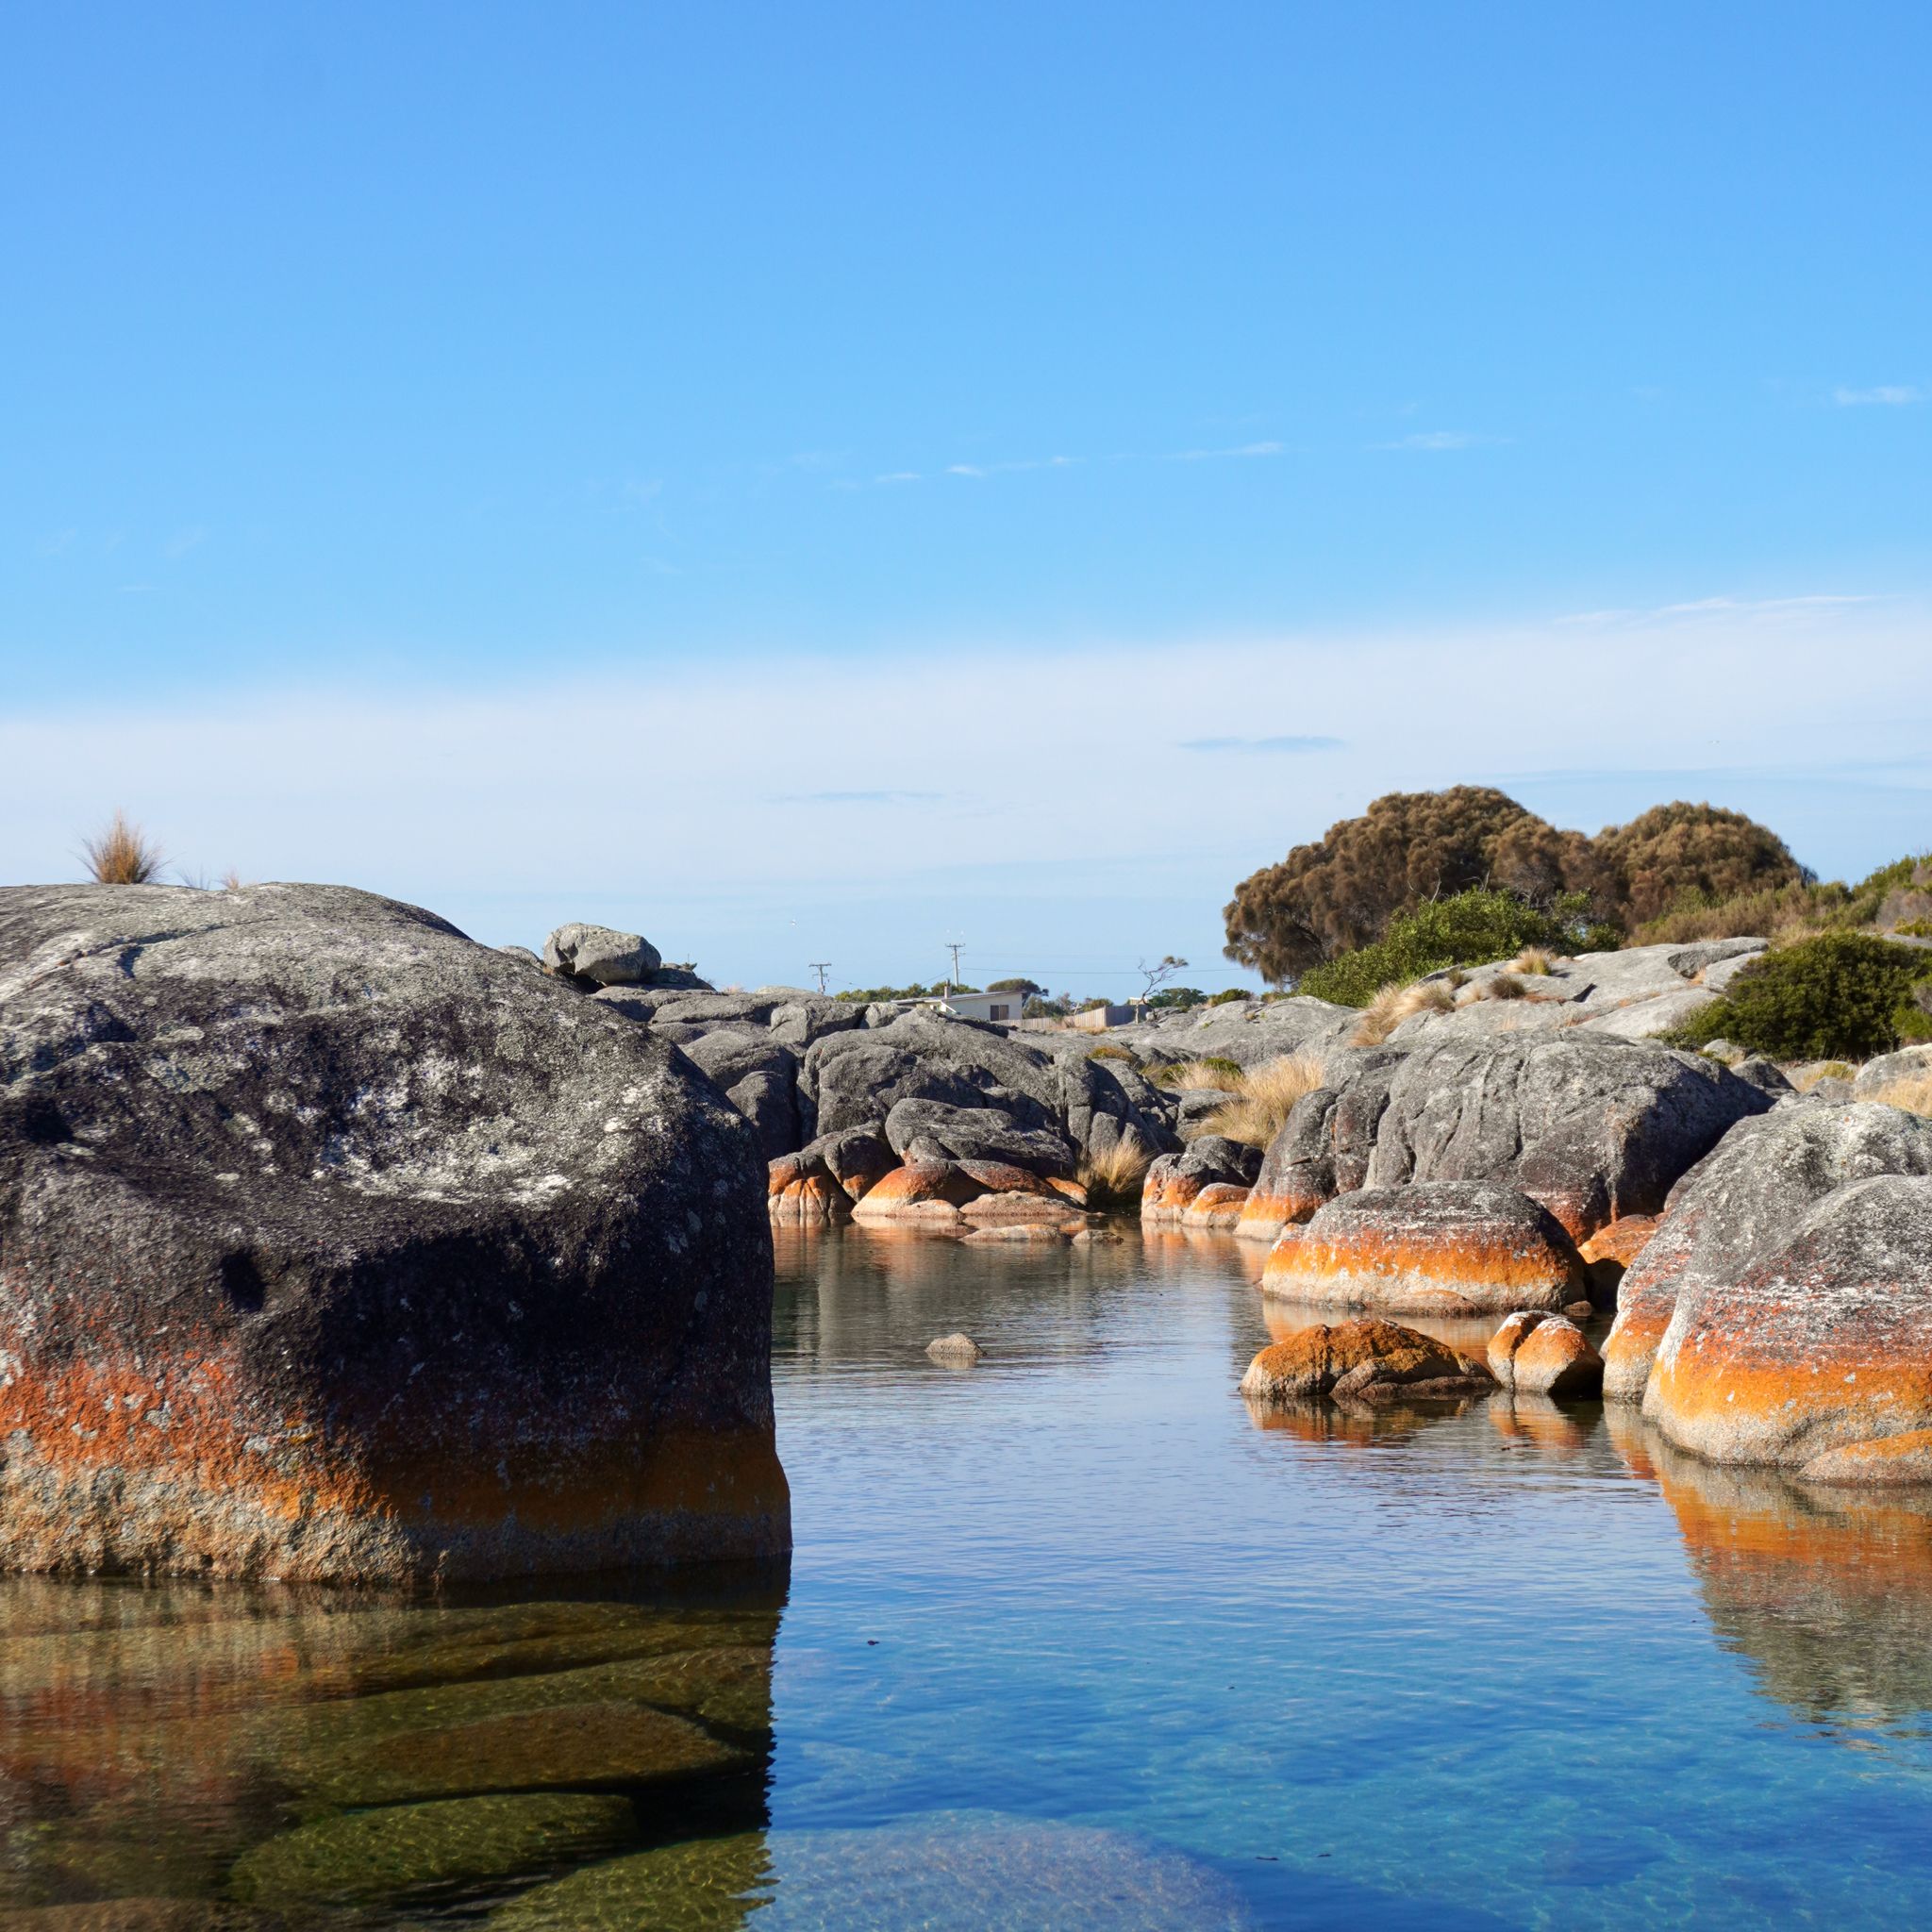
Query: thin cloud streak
x=1262 y=745
x=1722 y=606
x=1887 y=395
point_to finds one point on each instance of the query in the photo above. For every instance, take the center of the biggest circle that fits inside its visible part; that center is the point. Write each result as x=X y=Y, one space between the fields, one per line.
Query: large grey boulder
x=334 y=1245
x=601 y=955
x=1592 y=1129
x=1891 y=1069
x=1783 y=1265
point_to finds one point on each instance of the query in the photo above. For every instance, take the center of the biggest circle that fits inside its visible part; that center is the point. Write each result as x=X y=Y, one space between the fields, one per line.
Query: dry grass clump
x=1533 y=962
x=1506 y=986
x=1113 y=1053
x=1113 y=1178
x=1260 y=1108
x=1915 y=1097
x=123 y=855
x=1211 y=1072
x=1807 y=1077
x=1395 y=1004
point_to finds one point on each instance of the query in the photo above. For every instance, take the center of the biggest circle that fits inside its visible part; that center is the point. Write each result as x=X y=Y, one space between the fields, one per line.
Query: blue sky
x=573 y=461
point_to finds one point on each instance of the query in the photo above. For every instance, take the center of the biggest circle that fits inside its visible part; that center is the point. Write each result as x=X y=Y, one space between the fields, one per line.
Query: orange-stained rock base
x=166 y=1467
x=1417 y=1273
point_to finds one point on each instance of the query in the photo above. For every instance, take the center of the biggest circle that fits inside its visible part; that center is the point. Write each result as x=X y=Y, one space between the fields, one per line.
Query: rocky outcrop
x=1610 y=1253
x=1441 y=1247
x=334 y=1245
x=1592 y=1128
x=930 y=1129
x=1175 y=1180
x=1782 y=1312
x=1367 y=1360
x=857 y=1079
x=759 y=1077
x=1218 y=1207
x=1539 y=1354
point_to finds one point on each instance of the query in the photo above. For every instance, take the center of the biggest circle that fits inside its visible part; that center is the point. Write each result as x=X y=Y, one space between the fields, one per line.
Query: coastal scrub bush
x=1841 y=995
x=1679 y=851
x=1470 y=929
x=1259 y=1107
x=1227 y=996
x=123 y=854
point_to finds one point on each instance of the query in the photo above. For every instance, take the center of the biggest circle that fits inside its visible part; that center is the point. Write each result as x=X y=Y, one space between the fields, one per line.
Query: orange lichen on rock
x=1448 y=1246
x=1218 y=1204
x=1368 y=1360
x=1539 y=1354
x=1265 y=1213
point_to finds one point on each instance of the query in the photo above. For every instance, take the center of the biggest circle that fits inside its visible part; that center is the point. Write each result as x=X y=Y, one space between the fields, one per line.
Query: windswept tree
x=1683 y=854
x=1340 y=891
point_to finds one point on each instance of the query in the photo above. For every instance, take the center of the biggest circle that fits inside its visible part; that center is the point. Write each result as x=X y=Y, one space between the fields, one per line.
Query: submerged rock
x=1441 y=1247
x=339 y=1246
x=931 y=1869
x=956 y=1351
x=370 y=1856
x=1366 y=1359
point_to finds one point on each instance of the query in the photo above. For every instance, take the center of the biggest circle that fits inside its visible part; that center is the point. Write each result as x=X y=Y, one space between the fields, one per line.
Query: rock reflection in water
x=1826 y=1592
x=351 y=1755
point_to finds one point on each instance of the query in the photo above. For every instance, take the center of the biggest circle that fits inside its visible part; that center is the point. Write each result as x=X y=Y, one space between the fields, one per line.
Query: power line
x=821 y=967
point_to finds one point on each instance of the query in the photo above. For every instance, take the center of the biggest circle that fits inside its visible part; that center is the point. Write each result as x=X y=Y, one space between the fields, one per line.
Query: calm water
x=1071 y=1639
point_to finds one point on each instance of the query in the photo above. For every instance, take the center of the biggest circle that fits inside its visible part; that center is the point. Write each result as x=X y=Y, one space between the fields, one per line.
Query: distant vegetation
x=1340 y=894
x=1471 y=929
x=1839 y=995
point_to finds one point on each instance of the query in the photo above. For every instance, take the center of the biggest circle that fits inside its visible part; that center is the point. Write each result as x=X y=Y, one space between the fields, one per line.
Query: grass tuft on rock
x=123 y=854
x=1113 y=1177
x=1259 y=1109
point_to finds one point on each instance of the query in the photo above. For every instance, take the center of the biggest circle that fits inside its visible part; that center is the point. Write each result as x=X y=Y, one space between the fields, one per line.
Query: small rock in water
x=1539 y=1354
x=1020 y=1231
x=956 y=1351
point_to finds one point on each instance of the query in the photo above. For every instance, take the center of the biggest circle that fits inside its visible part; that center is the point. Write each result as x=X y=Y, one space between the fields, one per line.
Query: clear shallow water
x=1069 y=1638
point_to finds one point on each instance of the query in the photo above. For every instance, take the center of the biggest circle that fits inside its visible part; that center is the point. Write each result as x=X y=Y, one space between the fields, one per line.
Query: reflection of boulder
x=493 y=1739
x=1827 y=1591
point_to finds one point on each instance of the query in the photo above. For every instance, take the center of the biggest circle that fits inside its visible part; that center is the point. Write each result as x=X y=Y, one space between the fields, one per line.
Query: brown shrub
x=123 y=854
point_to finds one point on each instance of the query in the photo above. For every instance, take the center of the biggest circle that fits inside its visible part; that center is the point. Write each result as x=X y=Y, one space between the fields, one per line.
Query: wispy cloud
x=858 y=797
x=1261 y=745
x=1887 y=395
x=1013 y=466
x=1440 y=440
x=1720 y=607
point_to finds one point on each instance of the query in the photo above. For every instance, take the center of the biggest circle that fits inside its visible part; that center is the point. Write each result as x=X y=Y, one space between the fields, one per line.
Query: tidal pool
x=1071 y=1639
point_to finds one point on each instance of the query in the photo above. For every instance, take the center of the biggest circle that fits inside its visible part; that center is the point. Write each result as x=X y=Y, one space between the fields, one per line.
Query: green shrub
x=1190 y=1073
x=1841 y=995
x=1469 y=929
x=1113 y=1053
x=1229 y=995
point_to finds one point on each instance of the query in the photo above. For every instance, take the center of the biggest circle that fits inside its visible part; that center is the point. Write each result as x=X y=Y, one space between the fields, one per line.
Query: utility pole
x=955 y=947
x=821 y=967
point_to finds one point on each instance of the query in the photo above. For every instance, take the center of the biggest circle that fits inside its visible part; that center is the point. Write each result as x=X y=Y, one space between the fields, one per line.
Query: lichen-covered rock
x=370 y=1856
x=1175 y=1180
x=1217 y=1206
x=1297 y=1173
x=1610 y=1253
x=1443 y=1247
x=1368 y=1360
x=1738 y=1206
x=1592 y=1127
x=1539 y=1354
x=335 y=1245
x=759 y=1078
x=601 y=957
x=1783 y=1310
